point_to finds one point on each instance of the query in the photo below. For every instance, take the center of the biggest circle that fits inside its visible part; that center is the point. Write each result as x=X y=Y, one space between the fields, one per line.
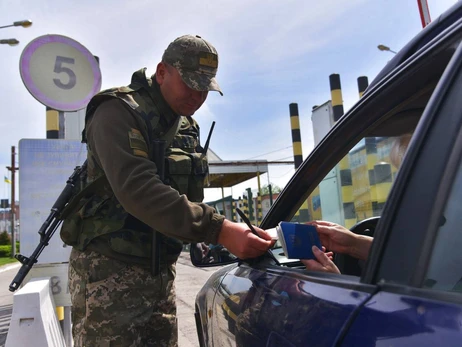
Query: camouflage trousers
x=120 y=304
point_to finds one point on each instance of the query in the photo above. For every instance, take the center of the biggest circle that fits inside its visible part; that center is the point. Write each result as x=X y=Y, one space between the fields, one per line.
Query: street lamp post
x=21 y=23
x=11 y=42
x=385 y=48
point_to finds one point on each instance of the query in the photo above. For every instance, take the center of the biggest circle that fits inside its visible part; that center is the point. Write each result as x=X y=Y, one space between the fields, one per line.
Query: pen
x=247 y=221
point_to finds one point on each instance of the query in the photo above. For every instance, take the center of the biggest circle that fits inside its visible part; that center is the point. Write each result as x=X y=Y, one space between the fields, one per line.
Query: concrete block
x=33 y=321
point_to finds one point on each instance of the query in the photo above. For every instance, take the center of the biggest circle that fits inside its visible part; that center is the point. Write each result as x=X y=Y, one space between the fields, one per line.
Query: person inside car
x=337 y=238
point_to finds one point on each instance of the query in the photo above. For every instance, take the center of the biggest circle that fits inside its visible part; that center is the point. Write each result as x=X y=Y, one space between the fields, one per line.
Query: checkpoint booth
x=226 y=174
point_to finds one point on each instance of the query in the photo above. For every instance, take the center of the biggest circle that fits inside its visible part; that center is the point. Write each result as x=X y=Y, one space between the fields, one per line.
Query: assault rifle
x=48 y=228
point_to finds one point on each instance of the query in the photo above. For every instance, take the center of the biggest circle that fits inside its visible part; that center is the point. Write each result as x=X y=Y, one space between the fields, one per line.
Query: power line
x=291 y=157
x=282 y=174
x=277 y=150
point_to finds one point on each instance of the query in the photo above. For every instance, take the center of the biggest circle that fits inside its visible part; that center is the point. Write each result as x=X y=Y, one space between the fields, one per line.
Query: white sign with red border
x=60 y=72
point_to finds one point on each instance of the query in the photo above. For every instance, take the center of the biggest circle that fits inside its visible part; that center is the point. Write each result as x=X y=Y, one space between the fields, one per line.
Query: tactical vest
x=95 y=219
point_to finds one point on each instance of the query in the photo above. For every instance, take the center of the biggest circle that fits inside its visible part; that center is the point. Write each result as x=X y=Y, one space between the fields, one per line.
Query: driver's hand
x=322 y=263
x=334 y=237
x=339 y=239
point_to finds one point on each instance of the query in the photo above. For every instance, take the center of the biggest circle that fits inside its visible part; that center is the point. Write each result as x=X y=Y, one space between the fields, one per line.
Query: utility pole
x=13 y=169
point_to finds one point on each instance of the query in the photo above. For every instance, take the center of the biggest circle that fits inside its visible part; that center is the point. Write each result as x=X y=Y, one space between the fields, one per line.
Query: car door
x=347 y=180
x=418 y=264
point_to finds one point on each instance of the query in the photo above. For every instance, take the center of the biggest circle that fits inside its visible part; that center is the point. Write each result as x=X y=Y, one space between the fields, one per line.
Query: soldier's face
x=182 y=99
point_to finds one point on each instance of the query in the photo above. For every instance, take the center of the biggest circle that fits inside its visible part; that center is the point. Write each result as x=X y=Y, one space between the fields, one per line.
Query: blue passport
x=297 y=239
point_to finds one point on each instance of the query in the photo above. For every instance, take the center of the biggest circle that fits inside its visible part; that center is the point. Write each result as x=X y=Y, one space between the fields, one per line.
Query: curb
x=9 y=267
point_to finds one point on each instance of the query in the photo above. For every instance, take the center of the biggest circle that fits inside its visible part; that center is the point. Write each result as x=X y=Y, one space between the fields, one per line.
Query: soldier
x=122 y=203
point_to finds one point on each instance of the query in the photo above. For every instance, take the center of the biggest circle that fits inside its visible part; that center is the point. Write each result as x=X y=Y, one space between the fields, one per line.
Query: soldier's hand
x=241 y=242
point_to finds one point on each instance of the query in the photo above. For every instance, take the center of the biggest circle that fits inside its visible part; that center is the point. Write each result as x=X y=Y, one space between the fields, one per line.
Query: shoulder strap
x=170 y=134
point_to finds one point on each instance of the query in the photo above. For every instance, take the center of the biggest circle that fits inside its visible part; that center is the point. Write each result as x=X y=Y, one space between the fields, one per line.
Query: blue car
x=390 y=168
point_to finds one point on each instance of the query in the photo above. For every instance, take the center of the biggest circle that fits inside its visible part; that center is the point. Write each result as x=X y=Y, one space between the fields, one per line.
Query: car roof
x=436 y=27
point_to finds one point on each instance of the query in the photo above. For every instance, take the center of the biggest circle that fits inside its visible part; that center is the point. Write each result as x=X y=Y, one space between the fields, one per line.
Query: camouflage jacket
x=99 y=221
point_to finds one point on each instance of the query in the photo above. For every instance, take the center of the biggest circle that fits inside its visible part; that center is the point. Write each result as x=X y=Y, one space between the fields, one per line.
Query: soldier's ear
x=161 y=71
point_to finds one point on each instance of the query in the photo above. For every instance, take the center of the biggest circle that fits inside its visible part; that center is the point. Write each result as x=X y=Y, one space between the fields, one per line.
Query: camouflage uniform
x=119 y=304
x=116 y=299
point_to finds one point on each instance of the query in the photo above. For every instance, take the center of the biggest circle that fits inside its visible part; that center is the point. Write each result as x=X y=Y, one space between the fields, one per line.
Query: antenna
x=206 y=147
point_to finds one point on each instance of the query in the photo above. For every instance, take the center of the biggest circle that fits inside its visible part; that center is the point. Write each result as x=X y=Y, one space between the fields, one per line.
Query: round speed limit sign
x=59 y=72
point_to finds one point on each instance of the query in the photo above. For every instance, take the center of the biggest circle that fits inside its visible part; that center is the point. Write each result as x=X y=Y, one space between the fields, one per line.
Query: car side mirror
x=203 y=255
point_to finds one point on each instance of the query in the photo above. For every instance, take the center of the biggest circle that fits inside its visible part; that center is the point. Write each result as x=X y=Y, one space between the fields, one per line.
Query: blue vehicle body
x=409 y=292
x=405 y=320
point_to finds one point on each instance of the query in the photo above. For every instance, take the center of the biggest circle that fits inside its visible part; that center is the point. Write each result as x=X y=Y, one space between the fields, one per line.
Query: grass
x=7 y=260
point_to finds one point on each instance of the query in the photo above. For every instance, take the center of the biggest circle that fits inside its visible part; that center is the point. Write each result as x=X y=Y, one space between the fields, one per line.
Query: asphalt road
x=188 y=282
x=7 y=274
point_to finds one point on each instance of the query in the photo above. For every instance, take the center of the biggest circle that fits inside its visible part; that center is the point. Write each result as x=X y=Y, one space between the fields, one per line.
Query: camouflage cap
x=196 y=61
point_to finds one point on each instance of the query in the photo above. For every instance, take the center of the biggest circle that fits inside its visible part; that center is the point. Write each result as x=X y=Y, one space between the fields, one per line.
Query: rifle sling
x=91 y=188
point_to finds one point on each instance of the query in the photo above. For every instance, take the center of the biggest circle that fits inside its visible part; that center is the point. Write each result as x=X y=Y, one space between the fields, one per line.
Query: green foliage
x=274 y=189
x=7 y=260
x=5 y=250
x=5 y=238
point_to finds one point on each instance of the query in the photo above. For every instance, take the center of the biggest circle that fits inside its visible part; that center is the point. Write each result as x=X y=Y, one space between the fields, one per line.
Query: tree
x=274 y=189
x=5 y=238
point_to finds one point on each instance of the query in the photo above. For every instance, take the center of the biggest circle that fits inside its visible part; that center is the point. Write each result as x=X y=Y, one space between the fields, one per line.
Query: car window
x=358 y=186
x=445 y=267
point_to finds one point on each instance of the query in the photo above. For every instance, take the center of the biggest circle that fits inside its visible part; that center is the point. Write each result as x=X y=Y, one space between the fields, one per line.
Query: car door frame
x=332 y=148
x=434 y=158
x=399 y=85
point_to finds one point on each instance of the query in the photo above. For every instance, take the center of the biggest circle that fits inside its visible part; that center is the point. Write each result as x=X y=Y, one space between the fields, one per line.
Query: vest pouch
x=171 y=245
x=131 y=243
x=101 y=215
x=200 y=164
x=179 y=168
x=72 y=225
x=81 y=204
x=198 y=178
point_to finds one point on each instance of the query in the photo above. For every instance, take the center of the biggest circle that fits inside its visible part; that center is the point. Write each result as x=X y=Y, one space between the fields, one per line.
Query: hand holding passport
x=296 y=239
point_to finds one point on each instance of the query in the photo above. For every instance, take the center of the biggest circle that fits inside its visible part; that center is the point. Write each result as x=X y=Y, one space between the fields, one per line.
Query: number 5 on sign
x=59 y=72
x=60 y=68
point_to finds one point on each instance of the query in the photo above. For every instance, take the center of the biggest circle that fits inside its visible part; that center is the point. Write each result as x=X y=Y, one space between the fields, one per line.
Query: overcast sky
x=272 y=53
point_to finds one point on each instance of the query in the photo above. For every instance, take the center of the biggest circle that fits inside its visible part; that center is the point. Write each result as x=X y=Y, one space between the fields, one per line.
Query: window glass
x=445 y=267
x=358 y=186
